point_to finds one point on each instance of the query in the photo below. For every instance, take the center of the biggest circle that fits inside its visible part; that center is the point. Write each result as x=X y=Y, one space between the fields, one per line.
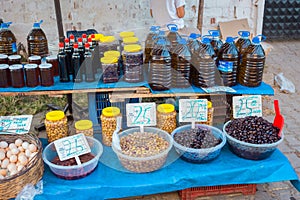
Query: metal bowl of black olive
x=200 y=144
x=252 y=137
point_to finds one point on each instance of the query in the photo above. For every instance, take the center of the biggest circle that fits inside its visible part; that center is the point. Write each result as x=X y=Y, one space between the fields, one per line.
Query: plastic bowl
x=250 y=151
x=199 y=155
x=75 y=171
x=144 y=164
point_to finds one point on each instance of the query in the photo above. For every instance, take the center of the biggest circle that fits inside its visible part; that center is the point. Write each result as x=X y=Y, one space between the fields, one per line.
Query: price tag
x=19 y=124
x=141 y=114
x=193 y=110
x=244 y=106
x=72 y=146
x=216 y=89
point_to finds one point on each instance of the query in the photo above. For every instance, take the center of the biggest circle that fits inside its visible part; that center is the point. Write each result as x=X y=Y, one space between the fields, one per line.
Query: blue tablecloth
x=106 y=182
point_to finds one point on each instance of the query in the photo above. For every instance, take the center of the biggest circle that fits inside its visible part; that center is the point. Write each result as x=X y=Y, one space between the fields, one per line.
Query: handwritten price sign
x=244 y=106
x=19 y=124
x=141 y=114
x=193 y=110
x=72 y=146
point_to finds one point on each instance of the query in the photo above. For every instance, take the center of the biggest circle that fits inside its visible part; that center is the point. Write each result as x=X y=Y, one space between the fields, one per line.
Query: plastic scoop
x=278 y=120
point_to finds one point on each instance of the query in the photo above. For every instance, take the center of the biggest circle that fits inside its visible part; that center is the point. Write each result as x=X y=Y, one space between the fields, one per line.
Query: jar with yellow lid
x=117 y=54
x=166 y=117
x=125 y=34
x=210 y=112
x=132 y=57
x=107 y=43
x=56 y=124
x=129 y=40
x=85 y=127
x=108 y=118
x=110 y=67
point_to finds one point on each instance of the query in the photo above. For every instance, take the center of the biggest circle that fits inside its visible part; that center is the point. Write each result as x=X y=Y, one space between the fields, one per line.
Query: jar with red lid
x=17 y=75
x=52 y=59
x=35 y=59
x=14 y=59
x=5 y=80
x=32 y=75
x=46 y=74
x=3 y=59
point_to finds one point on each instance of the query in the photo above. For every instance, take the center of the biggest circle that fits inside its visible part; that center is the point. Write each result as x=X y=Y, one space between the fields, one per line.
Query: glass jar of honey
x=52 y=59
x=5 y=80
x=35 y=59
x=14 y=59
x=17 y=75
x=32 y=75
x=3 y=59
x=46 y=74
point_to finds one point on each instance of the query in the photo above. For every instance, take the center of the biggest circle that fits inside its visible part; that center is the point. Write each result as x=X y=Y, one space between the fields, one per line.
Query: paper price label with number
x=72 y=146
x=244 y=106
x=193 y=110
x=141 y=114
x=19 y=124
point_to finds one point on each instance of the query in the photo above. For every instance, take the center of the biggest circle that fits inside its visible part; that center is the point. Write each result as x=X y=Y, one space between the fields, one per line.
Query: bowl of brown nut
x=145 y=151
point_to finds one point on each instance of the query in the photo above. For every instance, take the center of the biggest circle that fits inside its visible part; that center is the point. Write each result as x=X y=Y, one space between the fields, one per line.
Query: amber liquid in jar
x=54 y=62
x=32 y=75
x=17 y=76
x=46 y=74
x=3 y=59
x=5 y=80
x=35 y=60
x=14 y=59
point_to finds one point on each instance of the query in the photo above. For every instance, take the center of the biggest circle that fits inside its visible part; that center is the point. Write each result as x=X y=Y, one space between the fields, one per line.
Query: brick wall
x=113 y=16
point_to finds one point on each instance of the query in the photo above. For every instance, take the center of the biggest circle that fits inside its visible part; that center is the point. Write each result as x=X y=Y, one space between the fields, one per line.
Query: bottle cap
x=125 y=34
x=30 y=66
x=165 y=108
x=107 y=39
x=172 y=27
x=256 y=40
x=112 y=53
x=79 y=39
x=67 y=40
x=194 y=35
x=45 y=66
x=214 y=33
x=132 y=48
x=34 y=57
x=75 y=45
x=109 y=59
x=93 y=36
x=154 y=28
x=83 y=124
x=87 y=45
x=98 y=36
x=14 y=57
x=83 y=35
x=4 y=66
x=229 y=39
x=15 y=66
x=111 y=111
x=55 y=115
x=61 y=45
x=205 y=40
x=130 y=40
x=37 y=24
x=6 y=24
x=244 y=34
x=90 y=39
x=3 y=56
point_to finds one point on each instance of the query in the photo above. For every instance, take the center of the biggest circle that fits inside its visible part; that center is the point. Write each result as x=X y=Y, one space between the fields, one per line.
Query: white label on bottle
x=193 y=110
x=141 y=114
x=244 y=106
x=225 y=66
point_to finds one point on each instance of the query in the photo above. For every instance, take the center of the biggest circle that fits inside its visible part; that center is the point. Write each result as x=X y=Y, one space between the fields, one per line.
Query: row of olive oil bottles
x=178 y=61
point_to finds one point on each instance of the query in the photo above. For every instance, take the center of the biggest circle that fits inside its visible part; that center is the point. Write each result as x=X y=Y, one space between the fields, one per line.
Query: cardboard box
x=231 y=28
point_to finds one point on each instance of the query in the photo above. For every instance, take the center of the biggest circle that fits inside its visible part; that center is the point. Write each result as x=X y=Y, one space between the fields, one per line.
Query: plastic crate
x=98 y=101
x=193 y=193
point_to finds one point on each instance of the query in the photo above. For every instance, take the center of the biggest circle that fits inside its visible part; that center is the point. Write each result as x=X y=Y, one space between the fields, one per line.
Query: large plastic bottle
x=193 y=42
x=8 y=40
x=203 y=66
x=228 y=58
x=160 y=77
x=242 y=43
x=216 y=42
x=173 y=36
x=181 y=65
x=37 y=41
x=149 y=42
x=252 y=66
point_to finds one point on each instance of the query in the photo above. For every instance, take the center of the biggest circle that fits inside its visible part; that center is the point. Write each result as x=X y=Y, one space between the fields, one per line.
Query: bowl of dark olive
x=200 y=144
x=68 y=169
x=252 y=137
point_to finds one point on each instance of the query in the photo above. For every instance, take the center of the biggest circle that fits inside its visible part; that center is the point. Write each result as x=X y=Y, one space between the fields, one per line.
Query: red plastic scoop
x=278 y=120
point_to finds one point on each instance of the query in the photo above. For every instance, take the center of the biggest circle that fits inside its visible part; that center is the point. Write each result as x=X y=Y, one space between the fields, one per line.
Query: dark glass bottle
x=84 y=39
x=62 y=64
x=8 y=42
x=203 y=66
x=160 y=76
x=69 y=52
x=228 y=58
x=37 y=41
x=181 y=64
x=81 y=50
x=96 y=63
x=88 y=64
x=72 y=40
x=252 y=66
x=78 y=75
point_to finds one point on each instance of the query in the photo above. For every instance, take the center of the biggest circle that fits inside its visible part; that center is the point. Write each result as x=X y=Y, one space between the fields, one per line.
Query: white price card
x=19 y=124
x=244 y=106
x=216 y=89
x=193 y=110
x=72 y=146
x=141 y=114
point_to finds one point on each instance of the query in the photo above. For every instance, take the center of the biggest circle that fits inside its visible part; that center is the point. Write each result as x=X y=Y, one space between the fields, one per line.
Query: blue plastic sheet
x=106 y=182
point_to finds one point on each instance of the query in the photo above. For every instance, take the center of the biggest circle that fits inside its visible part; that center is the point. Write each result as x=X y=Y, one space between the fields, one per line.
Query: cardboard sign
x=19 y=124
x=244 y=106
x=193 y=110
x=72 y=146
x=141 y=114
